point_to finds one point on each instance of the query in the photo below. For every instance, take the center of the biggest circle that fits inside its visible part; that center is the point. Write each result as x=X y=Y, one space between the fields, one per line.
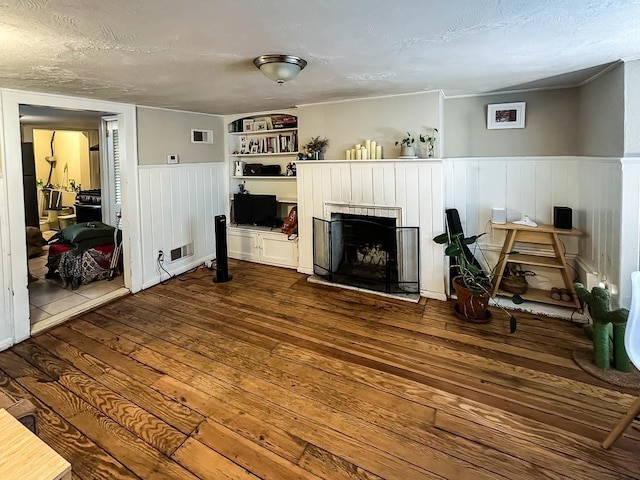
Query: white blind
x=116 y=167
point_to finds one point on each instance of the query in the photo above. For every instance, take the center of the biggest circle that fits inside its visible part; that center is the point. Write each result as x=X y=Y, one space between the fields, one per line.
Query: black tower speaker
x=222 y=262
x=562 y=218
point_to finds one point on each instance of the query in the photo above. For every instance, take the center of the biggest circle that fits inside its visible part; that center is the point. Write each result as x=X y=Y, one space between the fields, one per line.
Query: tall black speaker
x=222 y=262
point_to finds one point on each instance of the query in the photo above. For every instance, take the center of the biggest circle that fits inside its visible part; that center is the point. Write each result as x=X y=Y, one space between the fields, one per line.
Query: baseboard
x=433 y=295
x=174 y=271
x=4 y=344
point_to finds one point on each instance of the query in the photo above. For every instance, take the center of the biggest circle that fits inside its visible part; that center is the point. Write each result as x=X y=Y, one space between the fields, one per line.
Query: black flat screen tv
x=251 y=209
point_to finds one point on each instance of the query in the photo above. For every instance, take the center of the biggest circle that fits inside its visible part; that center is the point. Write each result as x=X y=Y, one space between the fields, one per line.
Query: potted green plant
x=406 y=144
x=430 y=141
x=473 y=284
x=316 y=147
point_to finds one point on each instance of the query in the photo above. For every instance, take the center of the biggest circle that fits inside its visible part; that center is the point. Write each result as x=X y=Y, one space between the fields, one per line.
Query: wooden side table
x=23 y=456
x=545 y=235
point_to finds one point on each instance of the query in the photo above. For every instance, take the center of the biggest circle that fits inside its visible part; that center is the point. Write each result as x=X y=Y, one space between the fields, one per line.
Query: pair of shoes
x=560 y=294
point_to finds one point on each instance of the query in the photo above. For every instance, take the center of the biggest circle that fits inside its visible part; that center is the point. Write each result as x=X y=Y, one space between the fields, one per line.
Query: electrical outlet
x=160 y=255
x=172 y=158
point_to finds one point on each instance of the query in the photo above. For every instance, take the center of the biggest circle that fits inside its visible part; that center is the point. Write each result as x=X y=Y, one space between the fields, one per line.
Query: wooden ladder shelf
x=544 y=235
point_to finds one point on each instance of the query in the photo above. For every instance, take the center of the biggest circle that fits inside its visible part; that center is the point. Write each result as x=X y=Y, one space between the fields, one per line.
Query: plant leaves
x=517 y=299
x=470 y=240
x=473 y=269
x=441 y=239
x=452 y=251
x=513 y=324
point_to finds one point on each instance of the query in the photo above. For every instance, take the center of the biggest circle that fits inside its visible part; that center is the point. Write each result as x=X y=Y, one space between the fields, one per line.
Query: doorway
x=15 y=325
x=73 y=164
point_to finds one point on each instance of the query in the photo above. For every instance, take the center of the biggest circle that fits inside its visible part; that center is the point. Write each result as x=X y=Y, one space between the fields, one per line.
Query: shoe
x=565 y=295
x=555 y=294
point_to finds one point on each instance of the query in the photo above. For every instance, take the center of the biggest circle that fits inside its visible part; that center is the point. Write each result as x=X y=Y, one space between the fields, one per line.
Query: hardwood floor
x=271 y=377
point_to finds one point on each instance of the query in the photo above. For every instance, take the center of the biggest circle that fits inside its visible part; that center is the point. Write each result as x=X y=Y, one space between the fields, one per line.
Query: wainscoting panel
x=413 y=186
x=178 y=205
x=533 y=186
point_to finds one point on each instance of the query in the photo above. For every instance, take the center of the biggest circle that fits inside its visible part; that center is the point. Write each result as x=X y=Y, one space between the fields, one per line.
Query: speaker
x=499 y=215
x=562 y=218
x=222 y=262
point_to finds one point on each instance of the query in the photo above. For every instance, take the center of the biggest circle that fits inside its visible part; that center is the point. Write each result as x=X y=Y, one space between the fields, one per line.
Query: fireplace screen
x=366 y=252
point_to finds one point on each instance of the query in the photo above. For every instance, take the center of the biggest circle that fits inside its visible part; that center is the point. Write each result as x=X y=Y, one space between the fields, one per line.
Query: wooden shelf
x=545 y=235
x=262 y=132
x=540 y=261
x=264 y=177
x=538 y=295
x=262 y=154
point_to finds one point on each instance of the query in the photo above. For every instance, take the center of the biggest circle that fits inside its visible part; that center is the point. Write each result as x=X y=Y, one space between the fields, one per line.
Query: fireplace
x=366 y=251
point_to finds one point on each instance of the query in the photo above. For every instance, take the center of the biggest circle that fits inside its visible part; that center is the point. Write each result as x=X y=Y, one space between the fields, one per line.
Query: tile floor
x=47 y=297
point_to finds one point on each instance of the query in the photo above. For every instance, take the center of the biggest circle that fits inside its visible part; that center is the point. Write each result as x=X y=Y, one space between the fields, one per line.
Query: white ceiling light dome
x=280 y=68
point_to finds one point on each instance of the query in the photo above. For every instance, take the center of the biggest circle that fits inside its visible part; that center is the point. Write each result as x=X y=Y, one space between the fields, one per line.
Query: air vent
x=201 y=136
x=181 y=252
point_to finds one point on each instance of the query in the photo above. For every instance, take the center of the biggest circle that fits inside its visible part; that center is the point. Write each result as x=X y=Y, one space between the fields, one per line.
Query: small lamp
x=280 y=68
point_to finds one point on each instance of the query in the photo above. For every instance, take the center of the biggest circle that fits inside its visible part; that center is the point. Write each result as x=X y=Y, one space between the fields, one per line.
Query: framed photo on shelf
x=247 y=125
x=258 y=126
x=505 y=115
x=269 y=123
x=254 y=148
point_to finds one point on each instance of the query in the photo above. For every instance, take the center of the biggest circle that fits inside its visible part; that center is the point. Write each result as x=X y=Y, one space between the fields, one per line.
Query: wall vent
x=181 y=252
x=201 y=136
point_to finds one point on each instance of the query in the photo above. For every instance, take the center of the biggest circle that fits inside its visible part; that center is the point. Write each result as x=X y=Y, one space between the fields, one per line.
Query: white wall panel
x=414 y=186
x=6 y=318
x=533 y=186
x=178 y=205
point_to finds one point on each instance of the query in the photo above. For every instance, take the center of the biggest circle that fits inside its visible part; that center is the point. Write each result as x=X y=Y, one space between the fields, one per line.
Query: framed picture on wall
x=247 y=125
x=506 y=115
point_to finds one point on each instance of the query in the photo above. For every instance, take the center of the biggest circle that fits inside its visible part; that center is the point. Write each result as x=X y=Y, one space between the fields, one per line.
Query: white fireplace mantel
x=412 y=188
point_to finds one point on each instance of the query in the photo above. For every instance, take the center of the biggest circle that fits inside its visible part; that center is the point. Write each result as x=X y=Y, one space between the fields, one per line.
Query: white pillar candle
x=353 y=154
x=348 y=154
x=374 y=152
x=358 y=146
x=379 y=152
x=358 y=154
x=365 y=153
x=367 y=144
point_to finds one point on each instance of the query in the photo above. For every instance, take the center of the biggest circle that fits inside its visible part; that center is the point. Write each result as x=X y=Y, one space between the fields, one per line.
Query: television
x=251 y=209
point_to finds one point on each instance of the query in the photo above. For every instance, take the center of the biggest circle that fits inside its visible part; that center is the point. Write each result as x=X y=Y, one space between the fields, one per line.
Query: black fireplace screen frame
x=397 y=273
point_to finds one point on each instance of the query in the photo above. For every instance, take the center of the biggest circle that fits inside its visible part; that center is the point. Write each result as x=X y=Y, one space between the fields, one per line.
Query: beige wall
x=164 y=132
x=71 y=148
x=384 y=120
x=632 y=108
x=602 y=106
x=551 y=125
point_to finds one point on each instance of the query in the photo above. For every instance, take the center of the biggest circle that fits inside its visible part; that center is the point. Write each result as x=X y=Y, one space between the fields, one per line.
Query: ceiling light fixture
x=280 y=68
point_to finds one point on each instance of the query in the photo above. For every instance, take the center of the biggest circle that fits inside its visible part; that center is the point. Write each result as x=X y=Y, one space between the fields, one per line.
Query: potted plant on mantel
x=407 y=144
x=472 y=284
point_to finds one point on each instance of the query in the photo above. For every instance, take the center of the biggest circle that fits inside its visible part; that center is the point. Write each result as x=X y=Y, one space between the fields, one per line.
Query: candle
x=374 y=152
x=348 y=154
x=358 y=154
x=353 y=154
x=367 y=144
x=365 y=153
x=379 y=152
x=358 y=146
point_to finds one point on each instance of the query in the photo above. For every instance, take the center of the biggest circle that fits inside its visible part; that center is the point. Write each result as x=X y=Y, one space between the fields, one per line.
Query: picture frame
x=258 y=126
x=506 y=115
x=247 y=125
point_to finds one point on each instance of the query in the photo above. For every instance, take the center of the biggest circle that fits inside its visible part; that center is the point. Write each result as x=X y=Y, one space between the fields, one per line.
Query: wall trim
x=179 y=165
x=180 y=111
x=4 y=344
x=378 y=97
x=507 y=92
x=176 y=271
x=595 y=76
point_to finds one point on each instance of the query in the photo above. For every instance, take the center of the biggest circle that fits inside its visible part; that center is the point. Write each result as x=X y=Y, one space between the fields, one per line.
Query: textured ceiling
x=197 y=55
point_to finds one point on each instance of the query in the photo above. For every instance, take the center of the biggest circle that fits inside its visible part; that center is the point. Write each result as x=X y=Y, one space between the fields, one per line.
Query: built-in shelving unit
x=269 y=140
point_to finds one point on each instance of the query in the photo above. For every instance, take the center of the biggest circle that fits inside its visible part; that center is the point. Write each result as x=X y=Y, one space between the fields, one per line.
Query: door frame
x=12 y=216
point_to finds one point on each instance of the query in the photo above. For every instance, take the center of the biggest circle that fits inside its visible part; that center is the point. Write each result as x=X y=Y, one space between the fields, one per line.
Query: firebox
x=367 y=252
